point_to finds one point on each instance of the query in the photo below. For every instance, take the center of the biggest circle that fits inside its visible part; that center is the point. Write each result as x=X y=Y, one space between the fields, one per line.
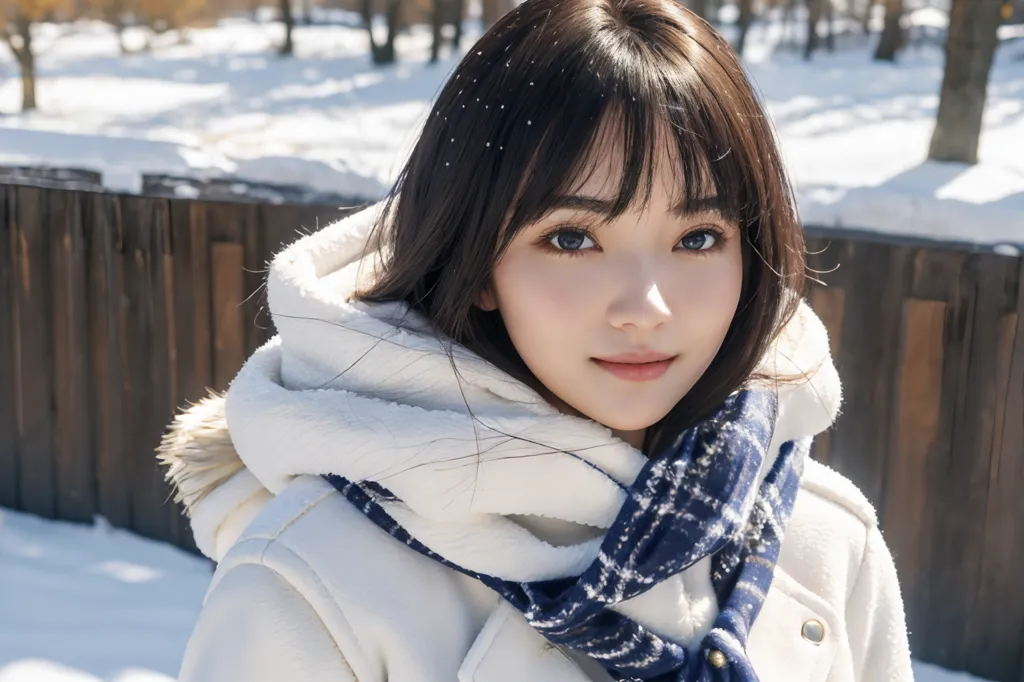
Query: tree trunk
x=892 y=34
x=458 y=12
x=307 y=12
x=745 y=19
x=830 y=27
x=869 y=8
x=28 y=81
x=813 y=17
x=288 y=48
x=20 y=44
x=437 y=24
x=787 y=22
x=383 y=53
x=394 y=16
x=699 y=7
x=970 y=48
x=446 y=12
x=494 y=10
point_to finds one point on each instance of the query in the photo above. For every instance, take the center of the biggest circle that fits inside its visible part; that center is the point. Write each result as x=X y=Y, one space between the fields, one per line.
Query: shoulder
x=826 y=541
x=829 y=485
x=308 y=529
x=376 y=594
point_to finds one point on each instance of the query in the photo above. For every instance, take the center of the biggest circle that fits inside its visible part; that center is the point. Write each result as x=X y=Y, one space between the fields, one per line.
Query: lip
x=637 y=358
x=644 y=366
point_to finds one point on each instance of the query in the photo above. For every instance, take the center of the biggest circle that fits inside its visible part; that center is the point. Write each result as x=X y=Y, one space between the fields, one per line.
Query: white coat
x=307 y=588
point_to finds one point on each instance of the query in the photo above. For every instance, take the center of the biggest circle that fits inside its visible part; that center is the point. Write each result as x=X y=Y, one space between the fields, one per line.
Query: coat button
x=717 y=658
x=813 y=631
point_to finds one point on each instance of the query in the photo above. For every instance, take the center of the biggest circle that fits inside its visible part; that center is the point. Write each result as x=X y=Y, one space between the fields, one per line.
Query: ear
x=485 y=300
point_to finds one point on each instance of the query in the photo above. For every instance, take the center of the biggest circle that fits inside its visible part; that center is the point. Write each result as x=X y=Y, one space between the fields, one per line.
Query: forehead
x=662 y=172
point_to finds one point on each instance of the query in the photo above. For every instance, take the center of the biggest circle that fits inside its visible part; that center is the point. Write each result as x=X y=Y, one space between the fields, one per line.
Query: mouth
x=636 y=366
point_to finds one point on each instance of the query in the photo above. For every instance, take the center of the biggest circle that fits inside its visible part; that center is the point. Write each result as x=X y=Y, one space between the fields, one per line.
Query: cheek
x=538 y=297
x=704 y=296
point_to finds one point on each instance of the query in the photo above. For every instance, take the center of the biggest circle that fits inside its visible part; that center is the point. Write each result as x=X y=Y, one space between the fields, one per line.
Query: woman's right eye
x=570 y=240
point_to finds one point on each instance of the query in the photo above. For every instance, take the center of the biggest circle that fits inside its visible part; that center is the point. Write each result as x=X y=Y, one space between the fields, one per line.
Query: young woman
x=544 y=413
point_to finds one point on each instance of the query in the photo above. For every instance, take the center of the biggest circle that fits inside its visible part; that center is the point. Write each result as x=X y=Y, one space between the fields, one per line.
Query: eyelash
x=545 y=240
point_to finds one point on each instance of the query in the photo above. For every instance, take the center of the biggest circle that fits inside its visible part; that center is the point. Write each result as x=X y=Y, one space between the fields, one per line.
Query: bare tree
x=113 y=12
x=17 y=33
x=869 y=8
x=446 y=12
x=496 y=9
x=892 y=39
x=970 y=48
x=746 y=18
x=16 y=20
x=830 y=25
x=814 y=8
x=788 y=10
x=288 y=47
x=383 y=53
x=307 y=12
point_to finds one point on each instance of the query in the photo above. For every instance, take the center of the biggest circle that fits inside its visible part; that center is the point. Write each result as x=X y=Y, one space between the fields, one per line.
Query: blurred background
x=154 y=154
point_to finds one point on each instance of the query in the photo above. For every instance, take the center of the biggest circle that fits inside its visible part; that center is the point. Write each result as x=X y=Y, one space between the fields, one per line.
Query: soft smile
x=636 y=366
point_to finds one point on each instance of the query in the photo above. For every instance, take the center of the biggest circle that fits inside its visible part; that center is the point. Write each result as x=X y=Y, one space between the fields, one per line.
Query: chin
x=631 y=422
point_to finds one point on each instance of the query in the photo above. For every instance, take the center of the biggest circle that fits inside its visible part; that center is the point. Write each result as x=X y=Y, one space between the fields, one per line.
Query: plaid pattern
x=698 y=499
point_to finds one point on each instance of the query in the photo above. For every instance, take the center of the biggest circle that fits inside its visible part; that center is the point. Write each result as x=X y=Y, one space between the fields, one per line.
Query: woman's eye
x=700 y=240
x=570 y=240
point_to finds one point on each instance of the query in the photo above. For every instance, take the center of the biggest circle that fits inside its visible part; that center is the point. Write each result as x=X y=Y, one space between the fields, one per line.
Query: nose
x=639 y=304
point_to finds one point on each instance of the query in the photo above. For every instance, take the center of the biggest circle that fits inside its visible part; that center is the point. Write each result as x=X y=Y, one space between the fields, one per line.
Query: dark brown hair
x=517 y=125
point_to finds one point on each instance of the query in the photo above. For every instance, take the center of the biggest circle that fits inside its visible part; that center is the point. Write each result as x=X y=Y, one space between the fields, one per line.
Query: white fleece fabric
x=368 y=392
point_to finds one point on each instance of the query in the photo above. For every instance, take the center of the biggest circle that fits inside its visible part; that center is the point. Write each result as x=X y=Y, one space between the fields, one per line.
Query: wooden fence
x=116 y=309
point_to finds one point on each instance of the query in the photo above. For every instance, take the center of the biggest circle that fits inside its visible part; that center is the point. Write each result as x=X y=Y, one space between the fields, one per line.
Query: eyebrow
x=710 y=204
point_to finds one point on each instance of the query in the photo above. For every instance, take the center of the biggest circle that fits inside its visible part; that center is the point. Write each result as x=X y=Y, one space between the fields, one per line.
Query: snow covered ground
x=95 y=604
x=854 y=132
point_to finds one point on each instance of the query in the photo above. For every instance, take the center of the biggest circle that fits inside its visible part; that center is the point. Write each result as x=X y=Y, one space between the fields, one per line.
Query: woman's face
x=589 y=305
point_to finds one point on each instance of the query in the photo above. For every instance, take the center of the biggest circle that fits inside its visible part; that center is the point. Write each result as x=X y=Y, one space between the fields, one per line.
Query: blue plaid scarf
x=698 y=499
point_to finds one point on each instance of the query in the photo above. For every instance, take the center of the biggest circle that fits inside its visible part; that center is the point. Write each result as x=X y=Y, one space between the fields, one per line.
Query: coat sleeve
x=256 y=627
x=876 y=622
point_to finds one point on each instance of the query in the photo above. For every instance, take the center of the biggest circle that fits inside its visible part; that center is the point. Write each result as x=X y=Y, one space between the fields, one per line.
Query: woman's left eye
x=700 y=240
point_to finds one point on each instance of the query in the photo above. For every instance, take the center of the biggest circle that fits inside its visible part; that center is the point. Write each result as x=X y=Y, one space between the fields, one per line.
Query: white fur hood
x=369 y=393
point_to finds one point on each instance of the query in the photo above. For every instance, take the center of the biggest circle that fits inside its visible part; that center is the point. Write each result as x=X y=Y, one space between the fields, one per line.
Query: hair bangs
x=652 y=116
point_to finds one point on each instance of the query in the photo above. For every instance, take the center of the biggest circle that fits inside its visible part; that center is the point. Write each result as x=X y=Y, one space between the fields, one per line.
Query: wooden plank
x=33 y=209
x=257 y=315
x=8 y=418
x=137 y=315
x=240 y=224
x=166 y=371
x=185 y=382
x=909 y=479
x=875 y=278
x=282 y=225
x=964 y=476
x=76 y=475
x=936 y=274
x=142 y=325
x=228 y=322
x=997 y=650
x=153 y=509
x=202 y=296
x=107 y=337
x=828 y=304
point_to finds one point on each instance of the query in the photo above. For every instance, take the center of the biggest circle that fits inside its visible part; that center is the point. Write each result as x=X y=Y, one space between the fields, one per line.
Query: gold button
x=717 y=658
x=813 y=631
